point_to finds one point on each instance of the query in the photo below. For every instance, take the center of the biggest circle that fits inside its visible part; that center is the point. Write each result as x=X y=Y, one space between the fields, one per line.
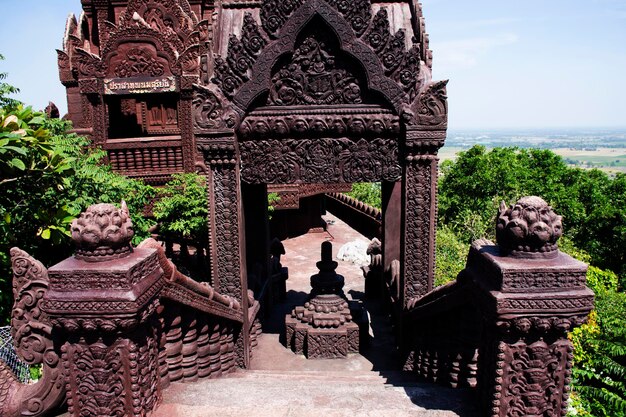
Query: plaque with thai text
x=140 y=85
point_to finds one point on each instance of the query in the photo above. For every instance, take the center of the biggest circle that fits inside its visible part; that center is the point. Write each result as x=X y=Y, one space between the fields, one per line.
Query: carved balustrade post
x=530 y=295
x=102 y=302
x=226 y=244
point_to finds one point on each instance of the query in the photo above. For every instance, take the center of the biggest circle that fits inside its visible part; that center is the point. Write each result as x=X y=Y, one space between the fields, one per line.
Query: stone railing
x=363 y=218
x=114 y=325
x=502 y=326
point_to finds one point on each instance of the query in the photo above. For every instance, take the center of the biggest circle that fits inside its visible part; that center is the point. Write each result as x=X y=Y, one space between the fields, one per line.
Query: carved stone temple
x=303 y=97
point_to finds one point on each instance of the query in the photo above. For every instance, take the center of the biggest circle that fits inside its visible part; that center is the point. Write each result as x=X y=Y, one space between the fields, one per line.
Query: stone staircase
x=315 y=393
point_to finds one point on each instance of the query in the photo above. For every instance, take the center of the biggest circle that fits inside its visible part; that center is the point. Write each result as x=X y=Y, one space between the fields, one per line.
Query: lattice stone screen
x=9 y=356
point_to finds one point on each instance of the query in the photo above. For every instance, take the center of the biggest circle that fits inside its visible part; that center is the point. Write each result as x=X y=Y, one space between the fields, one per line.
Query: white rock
x=354 y=252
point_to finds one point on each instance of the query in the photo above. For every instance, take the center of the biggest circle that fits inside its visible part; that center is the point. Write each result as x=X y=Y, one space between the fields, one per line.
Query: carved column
x=530 y=295
x=102 y=15
x=226 y=231
x=102 y=301
x=186 y=124
x=419 y=213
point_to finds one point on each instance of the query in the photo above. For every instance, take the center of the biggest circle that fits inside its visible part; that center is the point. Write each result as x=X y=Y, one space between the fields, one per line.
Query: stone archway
x=292 y=106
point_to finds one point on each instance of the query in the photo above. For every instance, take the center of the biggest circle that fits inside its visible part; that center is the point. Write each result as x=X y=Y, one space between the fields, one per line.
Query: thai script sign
x=140 y=85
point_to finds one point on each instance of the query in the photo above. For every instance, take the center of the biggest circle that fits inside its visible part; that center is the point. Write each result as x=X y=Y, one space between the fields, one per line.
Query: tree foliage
x=182 y=210
x=593 y=205
x=367 y=192
x=47 y=178
x=599 y=373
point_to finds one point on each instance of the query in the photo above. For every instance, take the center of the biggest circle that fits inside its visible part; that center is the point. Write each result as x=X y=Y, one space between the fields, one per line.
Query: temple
x=300 y=97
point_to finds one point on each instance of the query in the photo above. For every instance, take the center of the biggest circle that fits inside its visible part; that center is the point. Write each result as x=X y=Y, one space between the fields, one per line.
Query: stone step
x=363 y=377
x=313 y=393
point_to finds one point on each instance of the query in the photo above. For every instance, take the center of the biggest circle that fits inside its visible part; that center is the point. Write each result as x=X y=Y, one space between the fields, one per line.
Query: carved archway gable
x=141 y=35
x=262 y=70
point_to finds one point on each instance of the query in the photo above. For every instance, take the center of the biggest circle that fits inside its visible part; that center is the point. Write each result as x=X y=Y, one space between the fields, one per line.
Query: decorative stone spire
x=528 y=229
x=325 y=327
x=103 y=232
x=327 y=305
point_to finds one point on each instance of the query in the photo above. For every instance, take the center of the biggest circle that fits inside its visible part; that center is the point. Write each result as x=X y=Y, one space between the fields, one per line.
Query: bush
x=182 y=211
x=599 y=373
x=451 y=254
x=592 y=204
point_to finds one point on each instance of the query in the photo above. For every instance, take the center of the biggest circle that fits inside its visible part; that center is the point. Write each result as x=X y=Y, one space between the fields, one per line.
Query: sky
x=511 y=64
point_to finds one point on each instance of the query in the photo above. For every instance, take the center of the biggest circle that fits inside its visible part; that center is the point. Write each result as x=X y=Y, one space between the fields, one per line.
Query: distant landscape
x=604 y=149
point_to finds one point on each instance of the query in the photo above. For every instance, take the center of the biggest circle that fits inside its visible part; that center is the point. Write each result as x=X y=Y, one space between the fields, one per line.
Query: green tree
x=593 y=205
x=6 y=90
x=367 y=192
x=182 y=210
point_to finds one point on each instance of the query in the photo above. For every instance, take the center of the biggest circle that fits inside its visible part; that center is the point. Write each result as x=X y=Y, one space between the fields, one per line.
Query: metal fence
x=9 y=356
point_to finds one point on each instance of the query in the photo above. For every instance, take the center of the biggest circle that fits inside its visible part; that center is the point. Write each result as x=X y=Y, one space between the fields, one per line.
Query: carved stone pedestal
x=530 y=295
x=102 y=303
x=324 y=326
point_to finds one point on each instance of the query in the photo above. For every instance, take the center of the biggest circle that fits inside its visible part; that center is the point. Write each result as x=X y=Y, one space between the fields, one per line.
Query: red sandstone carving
x=324 y=326
x=528 y=228
x=103 y=232
x=32 y=335
x=521 y=307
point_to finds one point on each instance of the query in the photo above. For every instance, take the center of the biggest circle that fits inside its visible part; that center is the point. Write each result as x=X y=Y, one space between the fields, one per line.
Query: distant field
x=449 y=152
x=606 y=159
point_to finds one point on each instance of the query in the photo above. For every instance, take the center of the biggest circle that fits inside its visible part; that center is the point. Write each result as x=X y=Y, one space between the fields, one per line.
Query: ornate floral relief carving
x=85 y=63
x=190 y=59
x=534 y=378
x=207 y=110
x=408 y=74
x=139 y=61
x=173 y=19
x=319 y=161
x=96 y=376
x=226 y=212
x=378 y=34
x=274 y=14
x=419 y=248
x=431 y=106
x=391 y=57
x=329 y=122
x=232 y=72
x=251 y=37
x=327 y=345
x=358 y=13
x=312 y=77
x=30 y=326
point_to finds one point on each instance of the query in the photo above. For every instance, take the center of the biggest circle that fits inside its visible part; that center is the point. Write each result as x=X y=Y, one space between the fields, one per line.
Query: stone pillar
x=530 y=296
x=185 y=122
x=226 y=229
x=102 y=303
x=419 y=223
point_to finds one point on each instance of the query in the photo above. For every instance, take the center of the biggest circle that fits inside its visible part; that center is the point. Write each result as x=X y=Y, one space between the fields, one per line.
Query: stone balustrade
x=502 y=325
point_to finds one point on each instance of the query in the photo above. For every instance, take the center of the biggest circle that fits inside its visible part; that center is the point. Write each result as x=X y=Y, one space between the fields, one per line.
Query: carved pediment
x=313 y=77
x=306 y=73
x=137 y=59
